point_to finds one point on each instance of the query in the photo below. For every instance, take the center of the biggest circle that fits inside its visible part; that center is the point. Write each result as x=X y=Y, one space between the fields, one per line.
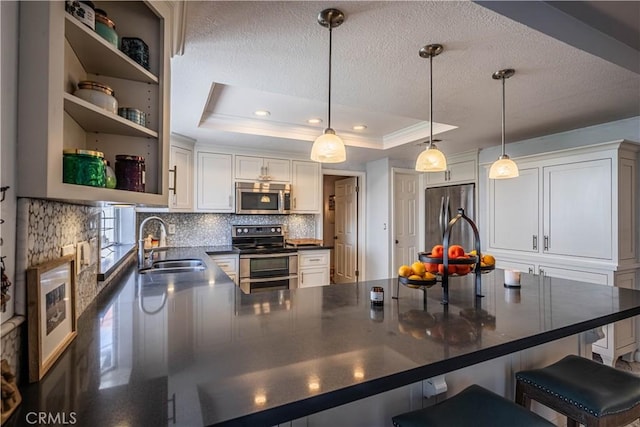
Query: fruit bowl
x=417 y=284
x=457 y=266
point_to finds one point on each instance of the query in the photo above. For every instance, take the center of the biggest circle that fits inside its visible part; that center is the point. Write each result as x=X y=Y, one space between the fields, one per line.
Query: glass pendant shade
x=431 y=160
x=328 y=148
x=504 y=168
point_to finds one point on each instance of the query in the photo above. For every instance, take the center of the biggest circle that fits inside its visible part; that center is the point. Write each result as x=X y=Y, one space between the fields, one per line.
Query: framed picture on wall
x=51 y=313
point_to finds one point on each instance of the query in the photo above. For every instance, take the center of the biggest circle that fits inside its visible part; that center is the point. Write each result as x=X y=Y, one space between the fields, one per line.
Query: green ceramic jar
x=106 y=28
x=83 y=167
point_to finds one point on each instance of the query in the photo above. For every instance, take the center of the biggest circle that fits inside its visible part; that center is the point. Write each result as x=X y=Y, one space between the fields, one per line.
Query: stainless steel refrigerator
x=442 y=205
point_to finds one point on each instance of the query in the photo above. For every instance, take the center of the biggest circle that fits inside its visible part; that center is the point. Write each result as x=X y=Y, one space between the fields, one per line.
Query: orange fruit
x=418 y=268
x=415 y=277
x=455 y=251
x=489 y=260
x=452 y=269
x=405 y=271
x=437 y=251
x=431 y=267
x=429 y=276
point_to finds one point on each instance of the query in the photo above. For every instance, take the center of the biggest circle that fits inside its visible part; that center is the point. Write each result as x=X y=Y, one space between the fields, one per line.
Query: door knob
x=397 y=242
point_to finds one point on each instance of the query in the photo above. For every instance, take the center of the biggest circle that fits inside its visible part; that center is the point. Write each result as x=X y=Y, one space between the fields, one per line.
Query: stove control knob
x=245 y=230
x=278 y=229
x=273 y=230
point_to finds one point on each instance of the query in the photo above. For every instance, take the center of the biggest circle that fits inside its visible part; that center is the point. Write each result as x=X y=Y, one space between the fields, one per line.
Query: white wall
x=378 y=211
x=8 y=138
x=628 y=129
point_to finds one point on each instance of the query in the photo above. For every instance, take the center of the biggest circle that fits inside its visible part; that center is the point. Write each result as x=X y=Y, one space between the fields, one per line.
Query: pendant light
x=504 y=167
x=431 y=159
x=328 y=147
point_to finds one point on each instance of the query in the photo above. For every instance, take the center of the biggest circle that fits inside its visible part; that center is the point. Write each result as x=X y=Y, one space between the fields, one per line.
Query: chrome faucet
x=141 y=238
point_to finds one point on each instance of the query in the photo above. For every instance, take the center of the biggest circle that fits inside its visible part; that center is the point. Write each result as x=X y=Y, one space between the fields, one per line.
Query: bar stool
x=472 y=407
x=587 y=392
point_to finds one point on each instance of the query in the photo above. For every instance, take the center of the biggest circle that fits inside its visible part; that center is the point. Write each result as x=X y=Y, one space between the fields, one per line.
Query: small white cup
x=512 y=278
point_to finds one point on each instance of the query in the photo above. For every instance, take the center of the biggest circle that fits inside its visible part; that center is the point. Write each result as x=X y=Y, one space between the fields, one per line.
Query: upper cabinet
x=181 y=174
x=252 y=168
x=57 y=52
x=461 y=169
x=306 y=187
x=580 y=205
x=214 y=182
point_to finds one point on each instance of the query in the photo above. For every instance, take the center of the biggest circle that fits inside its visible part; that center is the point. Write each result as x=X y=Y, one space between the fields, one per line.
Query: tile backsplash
x=208 y=229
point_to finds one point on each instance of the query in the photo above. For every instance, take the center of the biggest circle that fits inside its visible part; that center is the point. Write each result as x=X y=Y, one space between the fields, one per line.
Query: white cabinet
x=56 y=52
x=577 y=200
x=619 y=337
x=262 y=169
x=513 y=212
x=229 y=264
x=572 y=215
x=214 y=182
x=313 y=268
x=574 y=206
x=181 y=178
x=461 y=168
x=306 y=187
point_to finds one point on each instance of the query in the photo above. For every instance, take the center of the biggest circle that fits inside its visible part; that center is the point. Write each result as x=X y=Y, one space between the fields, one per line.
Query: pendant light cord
x=503 y=107
x=430 y=101
x=329 y=106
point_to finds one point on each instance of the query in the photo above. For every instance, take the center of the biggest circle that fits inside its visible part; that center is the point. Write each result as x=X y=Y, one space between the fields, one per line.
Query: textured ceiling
x=275 y=54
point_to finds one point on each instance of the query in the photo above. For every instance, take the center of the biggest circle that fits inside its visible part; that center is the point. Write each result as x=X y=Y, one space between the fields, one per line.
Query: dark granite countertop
x=193 y=346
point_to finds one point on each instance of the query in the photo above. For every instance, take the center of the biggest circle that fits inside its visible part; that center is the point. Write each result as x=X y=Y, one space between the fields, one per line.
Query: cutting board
x=304 y=242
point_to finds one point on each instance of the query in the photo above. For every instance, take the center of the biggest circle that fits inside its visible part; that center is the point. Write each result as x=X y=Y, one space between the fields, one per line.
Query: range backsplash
x=207 y=229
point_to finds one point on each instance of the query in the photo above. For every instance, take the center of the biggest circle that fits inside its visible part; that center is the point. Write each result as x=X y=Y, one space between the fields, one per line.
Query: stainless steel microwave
x=262 y=198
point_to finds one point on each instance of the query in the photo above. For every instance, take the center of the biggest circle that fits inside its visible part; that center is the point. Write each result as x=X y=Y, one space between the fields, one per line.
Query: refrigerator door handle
x=441 y=217
x=448 y=215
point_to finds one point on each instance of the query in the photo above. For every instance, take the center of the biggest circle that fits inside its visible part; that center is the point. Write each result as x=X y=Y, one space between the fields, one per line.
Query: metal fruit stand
x=446 y=262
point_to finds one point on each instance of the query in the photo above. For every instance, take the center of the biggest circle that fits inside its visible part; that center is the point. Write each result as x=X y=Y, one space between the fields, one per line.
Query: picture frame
x=51 y=313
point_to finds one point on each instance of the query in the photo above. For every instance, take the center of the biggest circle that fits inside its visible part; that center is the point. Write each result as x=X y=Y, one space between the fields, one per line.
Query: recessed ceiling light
x=262 y=113
x=359 y=127
x=314 y=121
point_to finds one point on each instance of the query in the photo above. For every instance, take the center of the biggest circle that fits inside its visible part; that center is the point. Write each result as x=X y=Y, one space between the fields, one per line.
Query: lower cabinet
x=227 y=263
x=313 y=268
x=619 y=337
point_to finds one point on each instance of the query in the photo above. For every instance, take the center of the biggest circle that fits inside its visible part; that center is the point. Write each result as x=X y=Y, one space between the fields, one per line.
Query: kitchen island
x=191 y=349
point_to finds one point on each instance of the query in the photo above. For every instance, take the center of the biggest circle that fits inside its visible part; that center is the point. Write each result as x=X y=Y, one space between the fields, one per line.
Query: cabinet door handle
x=294 y=202
x=546 y=243
x=302 y=278
x=175 y=180
x=314 y=259
x=531 y=270
x=229 y=200
x=535 y=242
x=542 y=272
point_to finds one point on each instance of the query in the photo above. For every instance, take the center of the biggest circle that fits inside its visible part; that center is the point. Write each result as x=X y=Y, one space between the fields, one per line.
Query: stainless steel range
x=266 y=264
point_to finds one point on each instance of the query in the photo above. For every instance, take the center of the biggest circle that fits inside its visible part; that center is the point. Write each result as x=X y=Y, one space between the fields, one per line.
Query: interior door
x=346 y=238
x=405 y=218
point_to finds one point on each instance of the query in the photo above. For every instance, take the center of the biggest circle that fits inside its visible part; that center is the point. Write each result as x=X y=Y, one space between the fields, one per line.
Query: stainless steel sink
x=178 y=263
x=174 y=266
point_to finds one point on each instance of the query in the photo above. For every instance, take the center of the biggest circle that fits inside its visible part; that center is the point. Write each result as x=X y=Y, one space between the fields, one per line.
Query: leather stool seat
x=473 y=407
x=587 y=392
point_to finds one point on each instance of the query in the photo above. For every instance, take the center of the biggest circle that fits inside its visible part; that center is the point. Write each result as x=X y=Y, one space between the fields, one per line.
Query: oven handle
x=276 y=255
x=271 y=279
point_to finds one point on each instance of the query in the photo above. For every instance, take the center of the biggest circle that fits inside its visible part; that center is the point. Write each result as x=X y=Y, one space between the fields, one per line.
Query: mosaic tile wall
x=53 y=225
x=11 y=350
x=206 y=229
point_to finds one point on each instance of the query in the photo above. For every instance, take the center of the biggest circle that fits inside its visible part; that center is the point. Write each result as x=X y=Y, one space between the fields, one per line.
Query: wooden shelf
x=100 y=57
x=95 y=119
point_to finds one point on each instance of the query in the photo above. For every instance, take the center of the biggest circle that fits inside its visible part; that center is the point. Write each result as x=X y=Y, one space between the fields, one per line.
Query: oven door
x=261 y=272
x=259 y=201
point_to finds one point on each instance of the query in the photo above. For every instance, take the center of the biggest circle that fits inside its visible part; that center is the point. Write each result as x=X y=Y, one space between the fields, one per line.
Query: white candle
x=511 y=278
